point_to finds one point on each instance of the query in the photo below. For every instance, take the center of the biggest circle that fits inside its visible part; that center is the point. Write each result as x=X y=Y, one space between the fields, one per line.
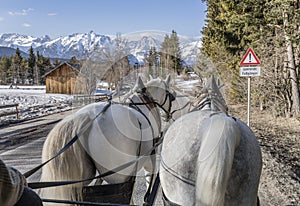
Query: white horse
x=110 y=134
x=209 y=158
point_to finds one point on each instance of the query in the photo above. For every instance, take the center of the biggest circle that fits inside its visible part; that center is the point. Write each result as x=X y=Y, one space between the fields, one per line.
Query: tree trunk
x=294 y=79
x=293 y=73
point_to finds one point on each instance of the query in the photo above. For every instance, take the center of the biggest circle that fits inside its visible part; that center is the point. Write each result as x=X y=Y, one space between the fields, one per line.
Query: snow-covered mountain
x=82 y=45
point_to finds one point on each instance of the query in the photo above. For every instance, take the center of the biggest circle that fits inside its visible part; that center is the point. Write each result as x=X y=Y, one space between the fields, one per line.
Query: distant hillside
x=7 y=51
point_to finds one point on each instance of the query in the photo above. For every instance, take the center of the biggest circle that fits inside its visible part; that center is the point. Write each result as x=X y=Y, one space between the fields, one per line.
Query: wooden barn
x=65 y=79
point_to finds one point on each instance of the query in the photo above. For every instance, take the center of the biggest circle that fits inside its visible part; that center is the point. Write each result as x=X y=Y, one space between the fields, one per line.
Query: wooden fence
x=7 y=113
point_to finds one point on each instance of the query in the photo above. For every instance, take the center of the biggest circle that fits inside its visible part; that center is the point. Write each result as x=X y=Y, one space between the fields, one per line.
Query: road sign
x=249 y=71
x=250 y=58
x=249 y=68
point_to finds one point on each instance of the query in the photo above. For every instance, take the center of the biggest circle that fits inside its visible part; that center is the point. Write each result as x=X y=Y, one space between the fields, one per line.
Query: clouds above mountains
x=26 y=25
x=23 y=12
x=24 y=17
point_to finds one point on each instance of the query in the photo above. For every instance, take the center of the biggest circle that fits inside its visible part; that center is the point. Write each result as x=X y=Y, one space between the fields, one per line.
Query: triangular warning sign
x=250 y=58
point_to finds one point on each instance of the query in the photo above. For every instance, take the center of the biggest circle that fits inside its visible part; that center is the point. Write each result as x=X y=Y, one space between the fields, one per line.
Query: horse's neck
x=147 y=108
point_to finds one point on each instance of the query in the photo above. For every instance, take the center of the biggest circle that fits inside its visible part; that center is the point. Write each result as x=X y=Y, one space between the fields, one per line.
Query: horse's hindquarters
x=246 y=169
x=176 y=191
x=197 y=148
x=119 y=136
x=179 y=159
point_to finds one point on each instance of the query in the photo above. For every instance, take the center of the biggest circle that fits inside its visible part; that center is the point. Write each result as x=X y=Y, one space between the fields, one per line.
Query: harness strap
x=146 y=197
x=175 y=174
x=81 y=203
x=149 y=201
x=140 y=111
x=68 y=145
x=176 y=110
x=37 y=185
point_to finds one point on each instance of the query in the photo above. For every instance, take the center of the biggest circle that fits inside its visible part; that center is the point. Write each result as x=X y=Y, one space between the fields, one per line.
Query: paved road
x=21 y=143
x=19 y=128
x=25 y=154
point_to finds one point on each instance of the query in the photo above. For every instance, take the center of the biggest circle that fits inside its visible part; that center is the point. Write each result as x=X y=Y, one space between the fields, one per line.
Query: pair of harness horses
x=207 y=157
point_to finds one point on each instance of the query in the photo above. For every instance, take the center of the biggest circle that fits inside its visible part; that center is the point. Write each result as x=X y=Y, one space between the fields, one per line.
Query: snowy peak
x=23 y=42
x=82 y=45
x=77 y=45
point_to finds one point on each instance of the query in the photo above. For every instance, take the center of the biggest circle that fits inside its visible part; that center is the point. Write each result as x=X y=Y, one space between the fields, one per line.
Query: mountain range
x=81 y=45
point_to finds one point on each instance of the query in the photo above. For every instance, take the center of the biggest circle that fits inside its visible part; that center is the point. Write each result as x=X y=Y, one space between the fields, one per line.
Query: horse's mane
x=211 y=94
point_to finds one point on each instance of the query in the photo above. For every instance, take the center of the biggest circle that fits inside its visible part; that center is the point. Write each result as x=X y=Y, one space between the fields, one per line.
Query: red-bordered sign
x=250 y=58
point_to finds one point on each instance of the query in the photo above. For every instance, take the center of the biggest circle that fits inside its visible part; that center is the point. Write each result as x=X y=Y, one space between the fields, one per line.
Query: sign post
x=249 y=68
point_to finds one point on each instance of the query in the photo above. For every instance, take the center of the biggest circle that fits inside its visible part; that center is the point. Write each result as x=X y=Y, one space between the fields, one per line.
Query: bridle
x=169 y=97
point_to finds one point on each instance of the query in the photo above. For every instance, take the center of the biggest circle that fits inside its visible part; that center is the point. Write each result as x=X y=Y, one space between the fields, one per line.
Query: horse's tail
x=72 y=164
x=220 y=139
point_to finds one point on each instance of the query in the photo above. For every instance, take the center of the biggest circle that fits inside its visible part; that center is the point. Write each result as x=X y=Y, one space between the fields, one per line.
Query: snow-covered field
x=33 y=102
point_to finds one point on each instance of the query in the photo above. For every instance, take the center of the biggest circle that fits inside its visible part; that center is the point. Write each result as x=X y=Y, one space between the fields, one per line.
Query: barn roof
x=76 y=67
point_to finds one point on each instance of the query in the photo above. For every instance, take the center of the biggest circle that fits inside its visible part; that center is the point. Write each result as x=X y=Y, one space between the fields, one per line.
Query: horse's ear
x=139 y=85
x=168 y=78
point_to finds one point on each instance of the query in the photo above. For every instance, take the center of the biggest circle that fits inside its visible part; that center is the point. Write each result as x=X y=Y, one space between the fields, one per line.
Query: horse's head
x=161 y=93
x=158 y=90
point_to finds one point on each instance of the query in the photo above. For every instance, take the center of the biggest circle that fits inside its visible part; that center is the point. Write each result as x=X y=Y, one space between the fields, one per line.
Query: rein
x=81 y=203
x=184 y=106
x=38 y=185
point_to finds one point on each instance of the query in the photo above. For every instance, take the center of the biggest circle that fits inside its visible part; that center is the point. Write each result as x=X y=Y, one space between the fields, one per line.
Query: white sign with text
x=249 y=71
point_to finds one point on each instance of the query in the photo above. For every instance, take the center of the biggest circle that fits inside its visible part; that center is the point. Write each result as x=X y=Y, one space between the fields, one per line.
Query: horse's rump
x=203 y=150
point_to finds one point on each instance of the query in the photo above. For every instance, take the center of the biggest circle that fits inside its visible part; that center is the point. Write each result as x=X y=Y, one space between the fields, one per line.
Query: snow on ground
x=33 y=102
x=187 y=86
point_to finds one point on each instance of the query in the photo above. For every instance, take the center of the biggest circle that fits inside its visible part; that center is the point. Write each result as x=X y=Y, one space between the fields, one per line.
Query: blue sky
x=63 y=17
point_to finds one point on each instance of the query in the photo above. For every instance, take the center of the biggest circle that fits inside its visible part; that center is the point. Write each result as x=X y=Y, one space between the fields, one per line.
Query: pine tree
x=4 y=70
x=73 y=60
x=151 y=60
x=16 y=67
x=165 y=51
x=170 y=53
x=24 y=71
x=42 y=66
x=175 y=53
x=56 y=62
x=31 y=65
